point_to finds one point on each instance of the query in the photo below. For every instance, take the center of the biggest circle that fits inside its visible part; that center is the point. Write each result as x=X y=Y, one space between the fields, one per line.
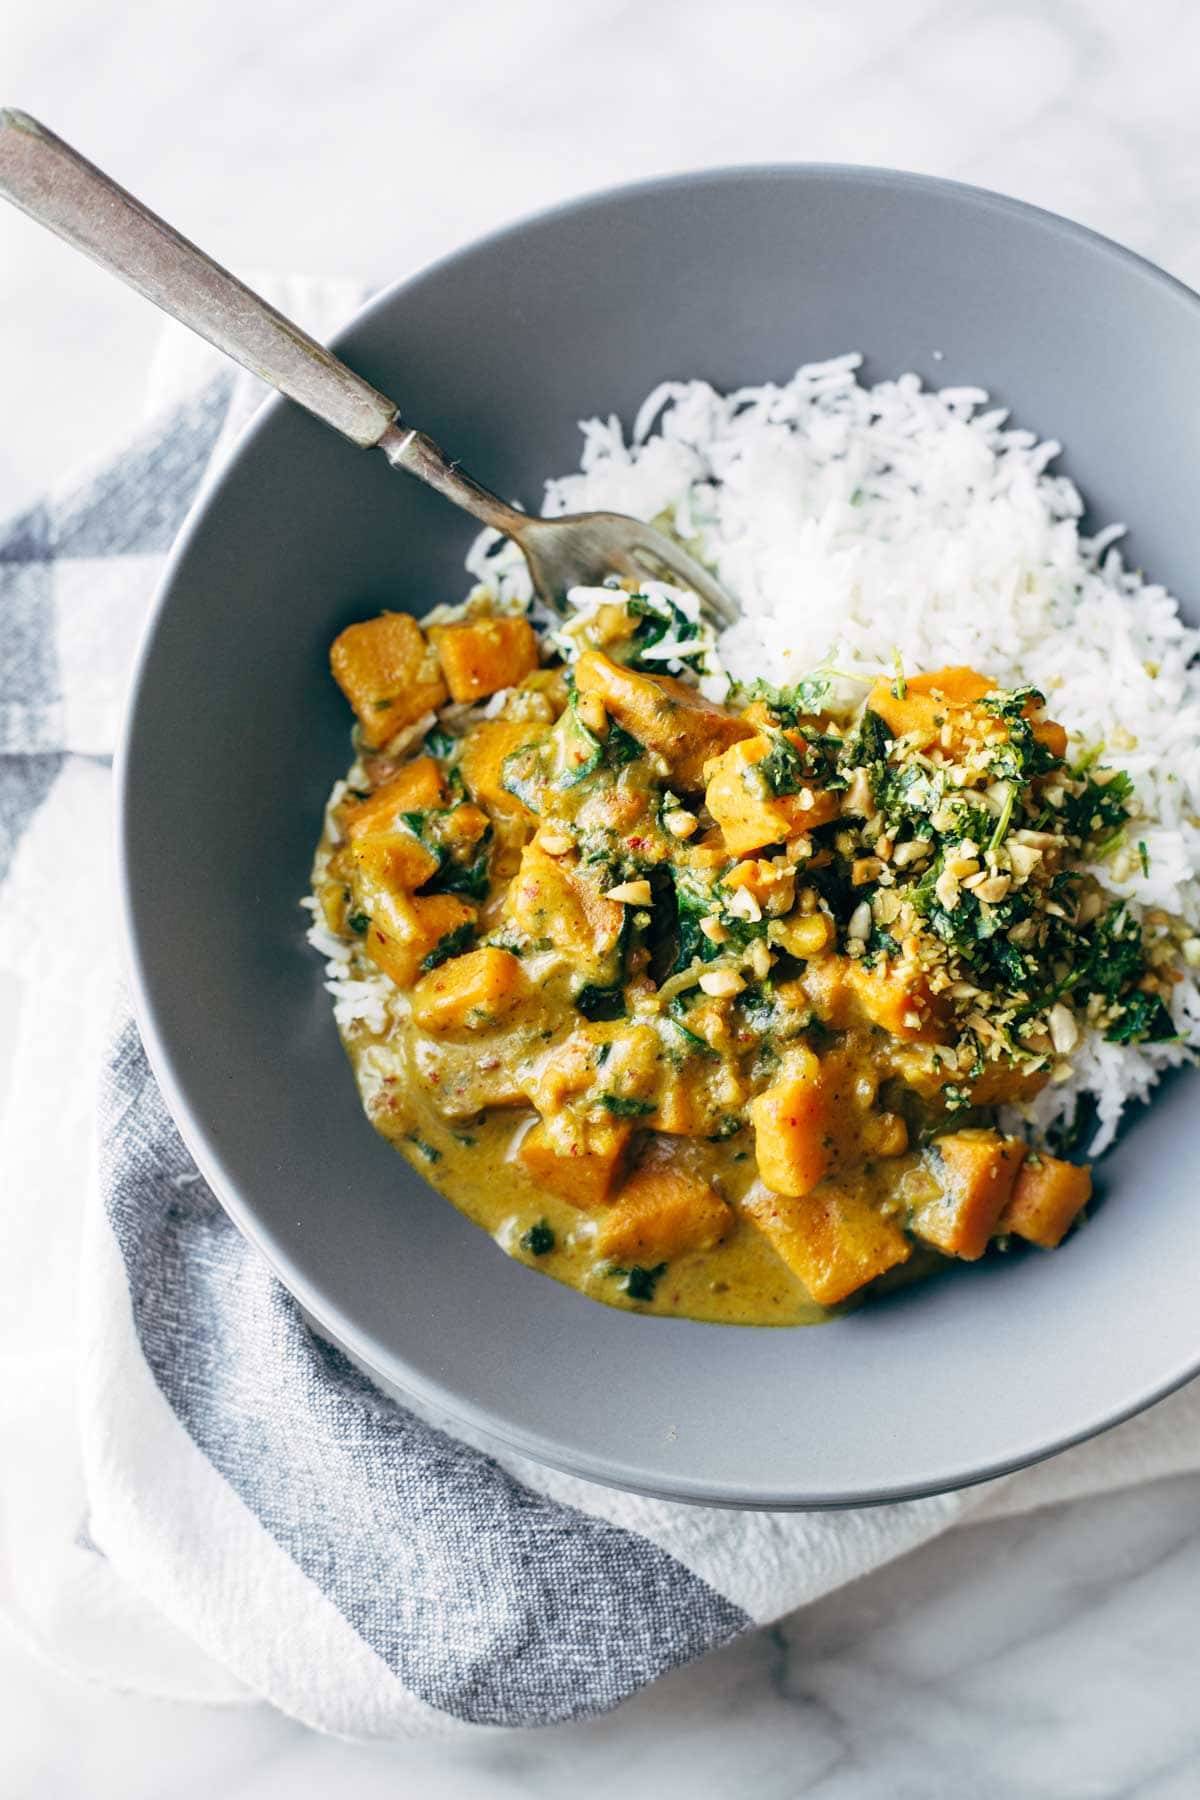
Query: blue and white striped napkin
x=239 y=1514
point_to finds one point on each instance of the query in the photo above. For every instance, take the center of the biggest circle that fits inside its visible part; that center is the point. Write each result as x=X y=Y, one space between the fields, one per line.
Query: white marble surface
x=1048 y=1656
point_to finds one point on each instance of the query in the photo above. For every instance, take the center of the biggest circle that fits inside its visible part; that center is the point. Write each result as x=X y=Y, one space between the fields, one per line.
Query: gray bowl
x=236 y=732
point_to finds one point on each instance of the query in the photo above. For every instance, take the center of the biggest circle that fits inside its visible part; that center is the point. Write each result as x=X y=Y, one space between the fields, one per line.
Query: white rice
x=855 y=523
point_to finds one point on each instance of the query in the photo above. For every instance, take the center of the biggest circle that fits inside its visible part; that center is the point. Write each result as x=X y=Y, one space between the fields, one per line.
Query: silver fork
x=63 y=191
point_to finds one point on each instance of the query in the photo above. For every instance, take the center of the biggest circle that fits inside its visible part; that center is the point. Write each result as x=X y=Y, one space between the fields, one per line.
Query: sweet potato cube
x=404 y=930
x=388 y=672
x=826 y=985
x=583 y=1168
x=463 y=826
x=927 y=700
x=1006 y=1083
x=395 y=860
x=947 y=696
x=700 y=1097
x=833 y=1239
x=771 y=883
x=749 y=815
x=974 y=1173
x=482 y=763
x=550 y=898
x=468 y=992
x=666 y=715
x=419 y=786
x=484 y=655
x=793 y=1128
x=897 y=999
x=1052 y=734
x=662 y=1213
x=1047 y=1197
x=461 y=1081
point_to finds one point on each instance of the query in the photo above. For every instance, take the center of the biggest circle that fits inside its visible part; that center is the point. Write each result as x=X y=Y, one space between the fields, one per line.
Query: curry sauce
x=711 y=1002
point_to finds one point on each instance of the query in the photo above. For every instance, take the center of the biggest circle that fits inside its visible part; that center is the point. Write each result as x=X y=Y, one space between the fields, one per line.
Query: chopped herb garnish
x=358 y=921
x=1143 y=856
x=788 y=704
x=781 y=771
x=1102 y=807
x=1023 y=754
x=1005 y=820
x=1142 y=1019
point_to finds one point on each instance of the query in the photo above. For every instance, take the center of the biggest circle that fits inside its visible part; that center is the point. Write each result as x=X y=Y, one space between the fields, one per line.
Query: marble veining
x=1051 y=1655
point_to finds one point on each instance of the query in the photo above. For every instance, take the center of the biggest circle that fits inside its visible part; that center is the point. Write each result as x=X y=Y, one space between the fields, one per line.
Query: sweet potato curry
x=724 y=1010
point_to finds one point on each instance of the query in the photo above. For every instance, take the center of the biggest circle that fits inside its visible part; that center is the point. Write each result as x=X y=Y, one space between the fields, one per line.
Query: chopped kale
x=580 y=752
x=439 y=742
x=694 y=900
x=623 y=1108
x=469 y=878
x=640 y=1283
x=621 y=747
x=601 y=1003
x=453 y=944
x=539 y=1239
x=657 y=619
x=568 y=754
x=521 y=775
x=695 y=1043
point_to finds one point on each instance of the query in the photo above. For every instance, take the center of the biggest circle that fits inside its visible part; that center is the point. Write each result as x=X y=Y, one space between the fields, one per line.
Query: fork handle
x=62 y=190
